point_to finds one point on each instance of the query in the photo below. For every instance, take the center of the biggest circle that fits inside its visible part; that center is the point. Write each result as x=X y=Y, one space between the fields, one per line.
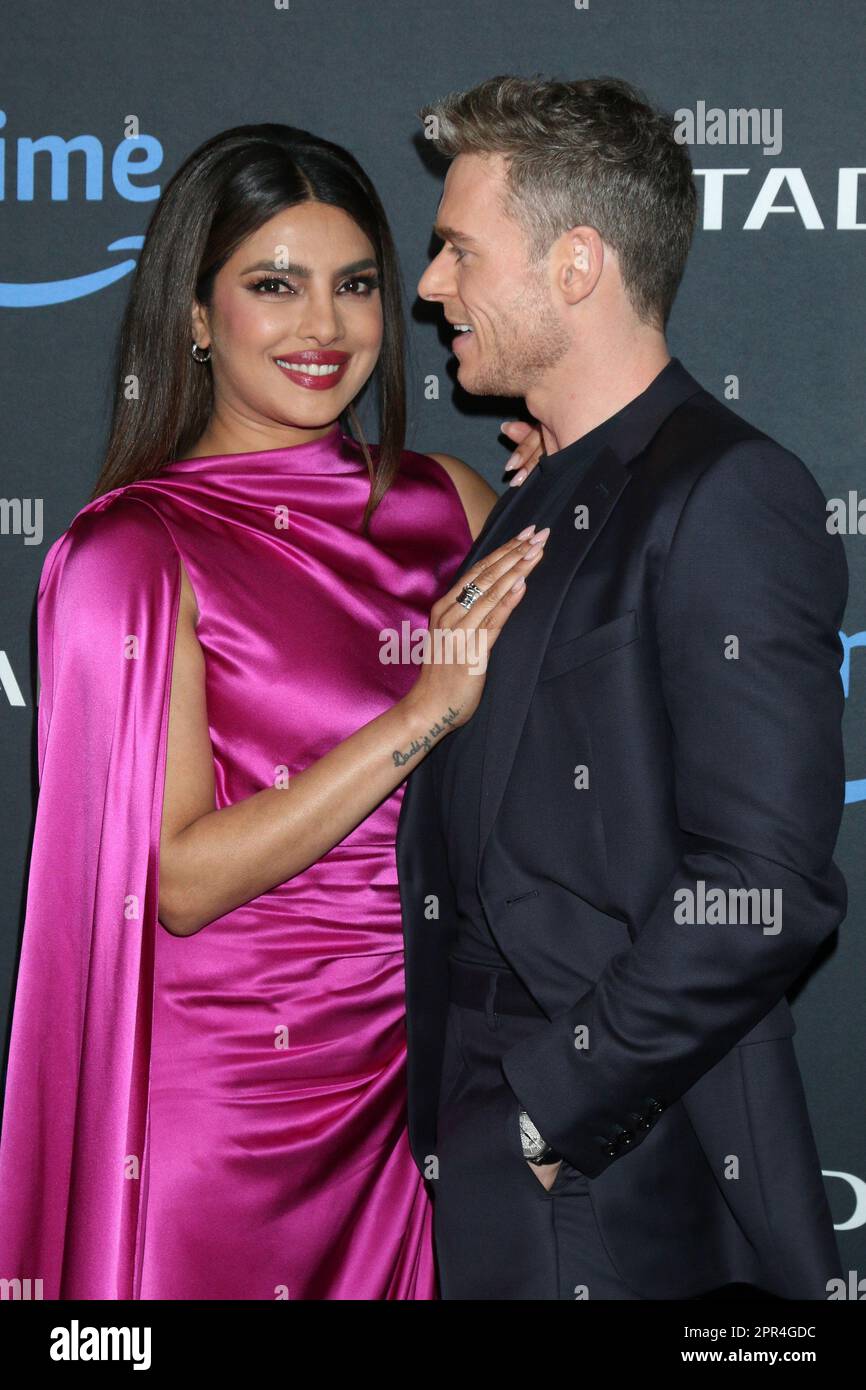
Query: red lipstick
x=330 y=367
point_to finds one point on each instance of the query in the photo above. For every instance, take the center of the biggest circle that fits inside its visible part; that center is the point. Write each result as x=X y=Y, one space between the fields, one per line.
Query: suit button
x=642 y=1121
x=655 y=1106
x=608 y=1146
x=625 y=1137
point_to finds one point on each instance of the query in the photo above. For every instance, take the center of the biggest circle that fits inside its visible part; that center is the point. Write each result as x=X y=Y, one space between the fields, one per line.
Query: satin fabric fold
x=220 y=1116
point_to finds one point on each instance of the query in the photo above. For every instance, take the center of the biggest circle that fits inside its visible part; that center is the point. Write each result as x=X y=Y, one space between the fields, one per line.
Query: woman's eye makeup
x=358 y=285
x=270 y=284
x=364 y=284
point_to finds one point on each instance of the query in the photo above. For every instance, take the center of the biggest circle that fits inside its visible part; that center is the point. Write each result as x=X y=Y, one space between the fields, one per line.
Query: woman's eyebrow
x=303 y=271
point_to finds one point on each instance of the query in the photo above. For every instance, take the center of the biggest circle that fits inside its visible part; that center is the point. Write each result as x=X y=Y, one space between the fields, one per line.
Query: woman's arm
x=211 y=860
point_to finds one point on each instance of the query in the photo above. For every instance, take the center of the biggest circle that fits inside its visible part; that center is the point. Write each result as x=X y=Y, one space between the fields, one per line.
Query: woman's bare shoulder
x=476 y=494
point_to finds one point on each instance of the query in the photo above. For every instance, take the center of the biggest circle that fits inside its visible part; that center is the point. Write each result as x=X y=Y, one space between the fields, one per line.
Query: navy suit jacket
x=664 y=713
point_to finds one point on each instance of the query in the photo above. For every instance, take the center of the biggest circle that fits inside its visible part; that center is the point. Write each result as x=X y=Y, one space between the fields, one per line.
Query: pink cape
x=77 y=1082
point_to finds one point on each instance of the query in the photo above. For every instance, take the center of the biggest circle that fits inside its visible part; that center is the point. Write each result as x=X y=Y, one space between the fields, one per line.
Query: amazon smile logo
x=49 y=165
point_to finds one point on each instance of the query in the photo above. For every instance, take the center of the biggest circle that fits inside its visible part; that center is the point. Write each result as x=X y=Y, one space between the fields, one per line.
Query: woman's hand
x=530 y=447
x=459 y=639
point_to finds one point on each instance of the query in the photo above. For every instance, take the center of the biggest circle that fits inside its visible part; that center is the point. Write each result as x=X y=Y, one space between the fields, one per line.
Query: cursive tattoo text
x=426 y=741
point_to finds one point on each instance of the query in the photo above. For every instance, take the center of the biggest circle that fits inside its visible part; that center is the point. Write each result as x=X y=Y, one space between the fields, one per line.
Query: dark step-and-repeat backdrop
x=99 y=103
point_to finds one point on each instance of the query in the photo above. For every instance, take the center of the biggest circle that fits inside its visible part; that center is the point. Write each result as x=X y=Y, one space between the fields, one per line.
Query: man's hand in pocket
x=545 y=1172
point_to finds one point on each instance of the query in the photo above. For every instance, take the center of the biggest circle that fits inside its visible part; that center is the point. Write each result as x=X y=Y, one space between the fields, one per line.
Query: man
x=614 y=871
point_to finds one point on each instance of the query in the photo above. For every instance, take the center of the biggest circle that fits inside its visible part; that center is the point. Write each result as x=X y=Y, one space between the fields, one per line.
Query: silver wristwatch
x=535 y=1149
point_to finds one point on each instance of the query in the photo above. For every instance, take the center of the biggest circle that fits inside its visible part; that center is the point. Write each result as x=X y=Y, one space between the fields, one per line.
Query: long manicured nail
x=518 y=478
x=513 y=462
x=527 y=531
x=539 y=538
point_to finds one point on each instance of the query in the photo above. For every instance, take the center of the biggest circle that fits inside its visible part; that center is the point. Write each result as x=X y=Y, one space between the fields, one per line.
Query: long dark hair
x=222 y=193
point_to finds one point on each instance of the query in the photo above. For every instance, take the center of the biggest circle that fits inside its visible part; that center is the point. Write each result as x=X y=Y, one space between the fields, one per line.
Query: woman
x=205 y=1095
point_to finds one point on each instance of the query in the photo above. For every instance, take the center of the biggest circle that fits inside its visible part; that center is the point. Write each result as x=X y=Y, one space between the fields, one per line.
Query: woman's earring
x=206 y=352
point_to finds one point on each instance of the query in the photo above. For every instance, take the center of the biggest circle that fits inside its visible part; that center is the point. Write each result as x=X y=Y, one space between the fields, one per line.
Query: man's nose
x=437 y=280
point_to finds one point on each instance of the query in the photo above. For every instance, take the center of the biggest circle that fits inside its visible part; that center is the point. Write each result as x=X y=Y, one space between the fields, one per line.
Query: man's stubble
x=528 y=341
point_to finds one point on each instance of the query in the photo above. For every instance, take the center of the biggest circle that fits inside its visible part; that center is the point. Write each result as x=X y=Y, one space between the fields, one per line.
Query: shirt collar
x=630 y=430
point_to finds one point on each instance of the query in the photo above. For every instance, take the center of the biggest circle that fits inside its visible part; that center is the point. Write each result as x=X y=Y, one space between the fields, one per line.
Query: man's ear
x=579 y=258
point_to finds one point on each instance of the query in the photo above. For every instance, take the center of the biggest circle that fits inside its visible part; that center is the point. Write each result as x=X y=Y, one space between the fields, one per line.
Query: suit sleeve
x=748 y=611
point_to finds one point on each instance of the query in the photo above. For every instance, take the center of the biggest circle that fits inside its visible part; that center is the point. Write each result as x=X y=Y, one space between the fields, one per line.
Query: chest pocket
x=589 y=646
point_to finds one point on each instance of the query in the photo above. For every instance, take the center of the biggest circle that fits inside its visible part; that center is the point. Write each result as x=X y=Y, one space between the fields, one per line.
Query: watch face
x=533 y=1144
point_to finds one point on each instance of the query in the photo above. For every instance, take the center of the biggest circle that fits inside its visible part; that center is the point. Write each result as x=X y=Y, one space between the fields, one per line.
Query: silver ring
x=468 y=594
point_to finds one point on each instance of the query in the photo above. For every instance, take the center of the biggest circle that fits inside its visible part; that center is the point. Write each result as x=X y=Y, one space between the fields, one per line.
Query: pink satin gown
x=247 y=1137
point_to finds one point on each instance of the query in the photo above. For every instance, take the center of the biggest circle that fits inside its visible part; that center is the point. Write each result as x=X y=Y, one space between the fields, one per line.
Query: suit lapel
x=495 y=532
x=517 y=655
x=411 y=839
